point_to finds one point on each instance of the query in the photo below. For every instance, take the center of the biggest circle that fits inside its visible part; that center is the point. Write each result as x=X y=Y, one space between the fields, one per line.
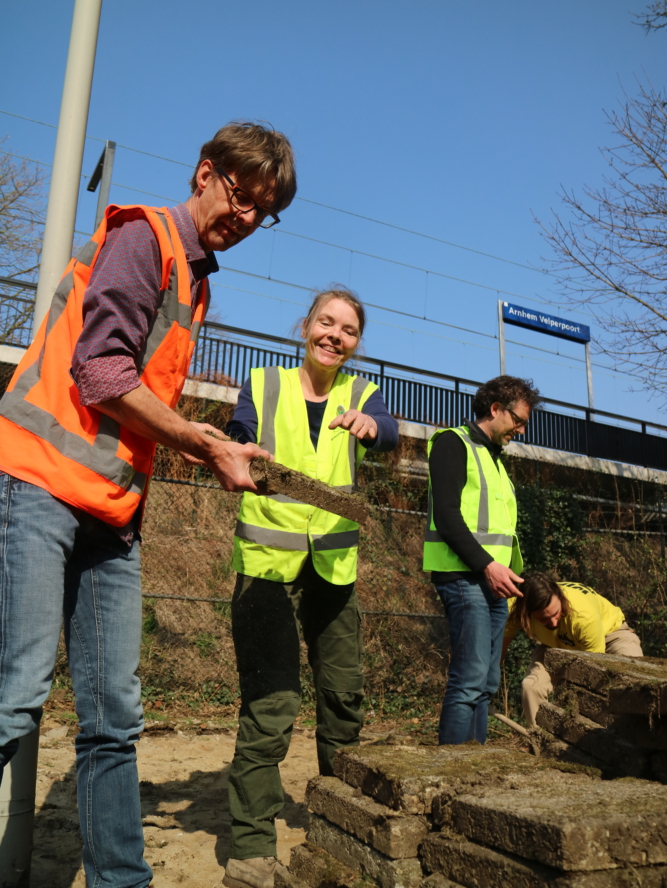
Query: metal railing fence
x=226 y=354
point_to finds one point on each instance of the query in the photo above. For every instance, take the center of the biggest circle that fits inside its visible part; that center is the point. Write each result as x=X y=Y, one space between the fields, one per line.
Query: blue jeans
x=476 y=627
x=55 y=560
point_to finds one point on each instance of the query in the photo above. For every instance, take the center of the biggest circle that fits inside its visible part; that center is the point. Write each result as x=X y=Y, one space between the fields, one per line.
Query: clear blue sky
x=457 y=120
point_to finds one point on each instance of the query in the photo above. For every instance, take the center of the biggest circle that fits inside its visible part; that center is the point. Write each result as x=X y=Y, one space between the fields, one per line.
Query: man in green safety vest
x=471 y=547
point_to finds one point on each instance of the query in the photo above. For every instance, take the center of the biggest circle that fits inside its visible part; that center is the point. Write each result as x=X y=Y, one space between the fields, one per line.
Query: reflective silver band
x=270 y=408
x=266 y=536
x=358 y=388
x=344 y=539
x=483 y=510
x=296 y=542
x=484 y=539
x=99 y=457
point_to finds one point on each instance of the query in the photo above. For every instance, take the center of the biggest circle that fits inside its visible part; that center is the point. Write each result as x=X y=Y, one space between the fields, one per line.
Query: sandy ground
x=184 y=805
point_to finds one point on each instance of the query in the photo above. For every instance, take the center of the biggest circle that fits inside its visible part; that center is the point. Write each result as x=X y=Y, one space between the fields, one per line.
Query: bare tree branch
x=654 y=18
x=610 y=248
x=21 y=218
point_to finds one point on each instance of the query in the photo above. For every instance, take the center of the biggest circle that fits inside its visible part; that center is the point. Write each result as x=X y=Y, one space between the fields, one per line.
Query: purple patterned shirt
x=121 y=300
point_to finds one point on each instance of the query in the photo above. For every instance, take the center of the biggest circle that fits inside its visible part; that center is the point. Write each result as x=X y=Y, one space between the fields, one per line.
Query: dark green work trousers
x=266 y=617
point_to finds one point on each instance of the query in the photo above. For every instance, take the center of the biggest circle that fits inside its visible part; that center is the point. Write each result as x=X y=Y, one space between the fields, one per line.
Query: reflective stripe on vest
x=280 y=523
x=502 y=546
x=110 y=454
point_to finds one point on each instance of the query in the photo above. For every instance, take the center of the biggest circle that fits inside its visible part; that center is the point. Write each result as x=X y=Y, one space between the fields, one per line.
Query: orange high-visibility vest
x=77 y=453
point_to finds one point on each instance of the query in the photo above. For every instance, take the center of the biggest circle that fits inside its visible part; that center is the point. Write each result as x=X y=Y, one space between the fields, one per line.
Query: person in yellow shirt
x=564 y=615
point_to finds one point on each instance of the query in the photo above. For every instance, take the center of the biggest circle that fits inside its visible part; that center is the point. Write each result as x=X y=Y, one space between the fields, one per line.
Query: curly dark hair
x=505 y=390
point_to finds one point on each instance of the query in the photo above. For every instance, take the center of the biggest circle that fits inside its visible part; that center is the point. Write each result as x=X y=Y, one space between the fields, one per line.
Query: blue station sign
x=544 y=323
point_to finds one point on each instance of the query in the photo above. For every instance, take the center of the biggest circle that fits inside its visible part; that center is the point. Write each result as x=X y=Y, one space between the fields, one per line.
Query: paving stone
x=395 y=834
x=272 y=477
x=438 y=881
x=285 y=879
x=602 y=744
x=659 y=766
x=409 y=778
x=405 y=873
x=594 y=826
x=475 y=866
x=637 y=729
x=315 y=867
x=532 y=781
x=632 y=686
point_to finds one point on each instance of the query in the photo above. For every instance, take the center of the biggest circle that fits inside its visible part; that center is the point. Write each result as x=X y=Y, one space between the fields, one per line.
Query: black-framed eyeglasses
x=244 y=203
x=518 y=421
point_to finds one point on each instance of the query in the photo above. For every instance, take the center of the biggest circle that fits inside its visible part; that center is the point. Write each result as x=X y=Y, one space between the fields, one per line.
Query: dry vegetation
x=188 y=663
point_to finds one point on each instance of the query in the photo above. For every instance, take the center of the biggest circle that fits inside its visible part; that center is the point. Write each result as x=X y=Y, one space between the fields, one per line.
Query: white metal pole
x=589 y=375
x=17 y=813
x=501 y=337
x=68 y=157
x=105 y=182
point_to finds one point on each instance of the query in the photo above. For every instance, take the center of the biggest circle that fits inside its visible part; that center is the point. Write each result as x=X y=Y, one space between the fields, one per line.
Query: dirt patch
x=185 y=809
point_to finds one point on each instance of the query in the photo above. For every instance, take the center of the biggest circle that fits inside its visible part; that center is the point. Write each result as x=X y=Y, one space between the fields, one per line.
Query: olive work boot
x=256 y=872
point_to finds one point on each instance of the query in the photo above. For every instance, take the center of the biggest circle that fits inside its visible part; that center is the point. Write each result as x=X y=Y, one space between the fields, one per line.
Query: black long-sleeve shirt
x=448 y=468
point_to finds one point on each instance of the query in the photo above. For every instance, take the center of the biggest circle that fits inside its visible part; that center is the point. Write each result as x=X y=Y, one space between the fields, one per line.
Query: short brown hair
x=252 y=151
x=538 y=590
x=505 y=390
x=321 y=298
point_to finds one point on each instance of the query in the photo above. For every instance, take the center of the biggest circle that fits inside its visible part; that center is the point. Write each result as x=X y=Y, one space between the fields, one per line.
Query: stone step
x=318 y=869
x=594 y=826
x=637 y=729
x=602 y=744
x=408 y=778
x=529 y=781
x=438 y=881
x=475 y=866
x=388 y=873
x=632 y=686
x=392 y=833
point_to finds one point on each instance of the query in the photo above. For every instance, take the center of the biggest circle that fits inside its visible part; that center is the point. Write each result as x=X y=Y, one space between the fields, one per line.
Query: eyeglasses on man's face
x=244 y=203
x=519 y=421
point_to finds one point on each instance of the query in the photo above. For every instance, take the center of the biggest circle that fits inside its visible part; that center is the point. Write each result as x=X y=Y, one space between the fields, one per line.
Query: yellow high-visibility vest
x=274 y=534
x=488 y=507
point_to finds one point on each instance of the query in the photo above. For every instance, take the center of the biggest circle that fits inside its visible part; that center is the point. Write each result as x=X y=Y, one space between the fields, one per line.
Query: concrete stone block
x=405 y=873
x=530 y=781
x=315 y=867
x=285 y=879
x=602 y=744
x=659 y=766
x=637 y=729
x=632 y=686
x=409 y=778
x=552 y=749
x=438 y=881
x=272 y=477
x=594 y=826
x=475 y=866
x=394 y=834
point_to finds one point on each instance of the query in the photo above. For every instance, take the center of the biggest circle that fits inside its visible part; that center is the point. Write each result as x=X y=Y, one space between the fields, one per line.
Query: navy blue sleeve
x=387 y=437
x=242 y=427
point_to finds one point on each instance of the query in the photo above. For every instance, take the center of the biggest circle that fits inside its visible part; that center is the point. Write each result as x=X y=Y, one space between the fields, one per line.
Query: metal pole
x=102 y=174
x=68 y=157
x=17 y=813
x=501 y=337
x=589 y=375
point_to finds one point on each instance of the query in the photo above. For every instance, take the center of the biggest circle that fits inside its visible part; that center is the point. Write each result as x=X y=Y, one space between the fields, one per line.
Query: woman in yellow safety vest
x=297 y=568
x=564 y=615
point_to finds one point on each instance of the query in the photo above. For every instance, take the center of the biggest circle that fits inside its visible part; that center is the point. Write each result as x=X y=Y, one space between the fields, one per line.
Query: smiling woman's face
x=333 y=334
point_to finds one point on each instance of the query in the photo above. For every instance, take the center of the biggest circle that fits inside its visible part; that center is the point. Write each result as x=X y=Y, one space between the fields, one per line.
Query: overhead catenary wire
x=375 y=257
x=320 y=204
